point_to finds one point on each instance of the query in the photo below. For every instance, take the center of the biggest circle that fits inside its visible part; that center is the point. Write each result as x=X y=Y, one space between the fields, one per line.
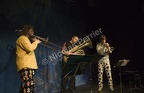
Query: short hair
x=74 y=36
x=26 y=29
x=102 y=37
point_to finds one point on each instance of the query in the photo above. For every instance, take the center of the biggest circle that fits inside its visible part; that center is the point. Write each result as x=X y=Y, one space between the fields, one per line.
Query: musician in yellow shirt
x=25 y=58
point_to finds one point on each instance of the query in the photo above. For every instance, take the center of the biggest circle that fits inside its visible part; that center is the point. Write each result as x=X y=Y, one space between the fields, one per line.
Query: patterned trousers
x=27 y=80
x=104 y=63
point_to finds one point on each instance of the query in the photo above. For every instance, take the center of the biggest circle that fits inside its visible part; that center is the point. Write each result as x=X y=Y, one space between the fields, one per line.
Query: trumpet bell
x=111 y=48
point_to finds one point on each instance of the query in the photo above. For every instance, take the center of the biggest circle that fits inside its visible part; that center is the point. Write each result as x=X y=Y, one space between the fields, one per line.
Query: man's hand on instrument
x=69 y=53
x=66 y=52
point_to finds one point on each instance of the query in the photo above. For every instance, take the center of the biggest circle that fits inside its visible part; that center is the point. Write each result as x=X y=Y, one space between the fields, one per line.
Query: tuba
x=79 y=49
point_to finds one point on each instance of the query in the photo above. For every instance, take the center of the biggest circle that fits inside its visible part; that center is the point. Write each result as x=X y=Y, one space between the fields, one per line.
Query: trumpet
x=108 y=46
x=111 y=48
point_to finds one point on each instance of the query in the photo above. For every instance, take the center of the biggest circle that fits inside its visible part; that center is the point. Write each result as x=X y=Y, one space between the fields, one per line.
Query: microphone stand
x=91 y=91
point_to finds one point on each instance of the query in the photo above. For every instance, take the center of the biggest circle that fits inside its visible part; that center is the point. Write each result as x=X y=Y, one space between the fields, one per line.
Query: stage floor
x=92 y=88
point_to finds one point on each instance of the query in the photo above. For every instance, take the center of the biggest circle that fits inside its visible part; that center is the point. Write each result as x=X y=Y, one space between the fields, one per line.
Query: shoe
x=111 y=88
x=100 y=89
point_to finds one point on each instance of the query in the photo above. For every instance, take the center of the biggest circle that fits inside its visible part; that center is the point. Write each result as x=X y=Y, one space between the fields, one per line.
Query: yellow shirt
x=25 y=56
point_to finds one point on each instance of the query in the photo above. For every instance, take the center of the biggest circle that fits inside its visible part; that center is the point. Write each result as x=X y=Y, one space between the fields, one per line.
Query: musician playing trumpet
x=104 y=49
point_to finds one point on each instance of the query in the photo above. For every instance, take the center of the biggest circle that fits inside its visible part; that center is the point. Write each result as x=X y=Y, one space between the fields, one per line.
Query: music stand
x=119 y=64
x=87 y=60
x=74 y=62
x=72 y=65
x=70 y=70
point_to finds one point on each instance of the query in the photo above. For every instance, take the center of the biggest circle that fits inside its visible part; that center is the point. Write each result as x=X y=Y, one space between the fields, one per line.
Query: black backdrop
x=121 y=21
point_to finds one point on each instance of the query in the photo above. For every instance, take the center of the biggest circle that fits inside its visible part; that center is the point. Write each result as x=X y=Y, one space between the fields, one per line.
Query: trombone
x=45 y=40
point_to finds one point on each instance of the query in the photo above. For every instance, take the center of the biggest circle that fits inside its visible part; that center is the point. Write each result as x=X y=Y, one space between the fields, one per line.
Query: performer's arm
x=108 y=48
x=100 y=49
x=103 y=49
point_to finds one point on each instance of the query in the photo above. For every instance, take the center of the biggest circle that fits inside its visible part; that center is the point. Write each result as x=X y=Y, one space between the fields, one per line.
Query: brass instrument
x=45 y=40
x=40 y=38
x=110 y=48
x=79 y=49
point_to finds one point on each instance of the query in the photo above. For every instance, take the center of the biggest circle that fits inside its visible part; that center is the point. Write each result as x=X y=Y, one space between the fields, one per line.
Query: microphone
x=18 y=31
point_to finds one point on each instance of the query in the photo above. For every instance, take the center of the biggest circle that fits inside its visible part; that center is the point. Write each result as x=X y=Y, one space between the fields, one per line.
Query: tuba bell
x=79 y=49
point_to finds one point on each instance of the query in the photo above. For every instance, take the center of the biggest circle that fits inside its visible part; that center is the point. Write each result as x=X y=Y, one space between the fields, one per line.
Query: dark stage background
x=120 y=20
